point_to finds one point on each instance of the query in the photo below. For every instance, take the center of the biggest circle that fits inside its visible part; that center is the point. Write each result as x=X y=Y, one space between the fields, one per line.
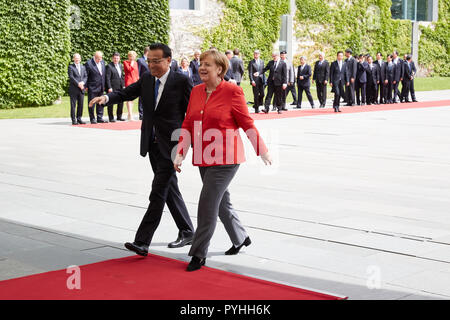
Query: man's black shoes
x=235 y=250
x=195 y=264
x=181 y=242
x=141 y=250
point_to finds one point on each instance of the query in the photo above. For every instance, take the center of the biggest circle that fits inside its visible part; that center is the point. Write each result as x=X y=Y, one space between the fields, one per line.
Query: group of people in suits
x=170 y=102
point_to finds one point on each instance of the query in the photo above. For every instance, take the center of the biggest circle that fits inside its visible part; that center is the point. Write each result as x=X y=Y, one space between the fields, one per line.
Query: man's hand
x=325 y=82
x=254 y=83
x=284 y=86
x=178 y=162
x=81 y=85
x=110 y=90
x=347 y=84
x=301 y=78
x=97 y=100
x=386 y=81
x=352 y=80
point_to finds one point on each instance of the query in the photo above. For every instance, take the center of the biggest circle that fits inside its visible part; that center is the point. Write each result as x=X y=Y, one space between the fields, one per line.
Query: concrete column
x=415 y=41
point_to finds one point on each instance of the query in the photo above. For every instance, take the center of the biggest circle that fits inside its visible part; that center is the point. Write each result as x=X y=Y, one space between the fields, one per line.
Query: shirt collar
x=163 y=78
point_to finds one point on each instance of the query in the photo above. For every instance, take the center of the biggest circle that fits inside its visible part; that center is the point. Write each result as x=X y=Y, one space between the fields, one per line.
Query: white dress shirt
x=163 y=81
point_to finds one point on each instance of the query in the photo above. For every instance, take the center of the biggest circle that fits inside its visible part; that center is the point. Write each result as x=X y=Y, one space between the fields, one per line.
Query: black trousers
x=371 y=92
x=350 y=93
x=338 y=89
x=321 y=93
x=111 y=110
x=258 y=93
x=279 y=93
x=76 y=105
x=290 y=89
x=140 y=108
x=406 y=85
x=396 y=91
x=361 y=93
x=269 y=95
x=164 y=190
x=411 y=90
x=380 y=92
x=388 y=87
x=308 y=95
x=98 y=107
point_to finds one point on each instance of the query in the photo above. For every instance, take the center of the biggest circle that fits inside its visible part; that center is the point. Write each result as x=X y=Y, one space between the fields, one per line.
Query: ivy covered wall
x=434 y=44
x=248 y=25
x=365 y=26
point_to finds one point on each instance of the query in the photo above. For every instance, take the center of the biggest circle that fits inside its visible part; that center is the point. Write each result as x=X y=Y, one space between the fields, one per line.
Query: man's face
x=340 y=56
x=394 y=55
x=379 y=56
x=158 y=65
x=229 y=55
x=77 y=59
x=283 y=56
x=98 y=57
x=369 y=60
x=321 y=57
x=347 y=54
x=196 y=55
x=302 y=61
x=256 y=55
x=116 y=59
x=275 y=57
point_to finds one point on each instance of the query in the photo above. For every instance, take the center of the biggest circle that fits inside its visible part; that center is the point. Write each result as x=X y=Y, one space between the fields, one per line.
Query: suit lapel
x=165 y=90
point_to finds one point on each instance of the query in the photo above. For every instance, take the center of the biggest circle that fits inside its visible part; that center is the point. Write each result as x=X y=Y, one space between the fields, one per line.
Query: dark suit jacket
x=337 y=76
x=142 y=66
x=361 y=75
x=373 y=74
x=381 y=70
x=174 y=65
x=75 y=78
x=113 y=80
x=169 y=114
x=351 y=68
x=398 y=70
x=389 y=73
x=237 y=67
x=253 y=67
x=321 y=72
x=195 y=76
x=279 y=76
x=407 y=70
x=306 y=73
x=96 y=82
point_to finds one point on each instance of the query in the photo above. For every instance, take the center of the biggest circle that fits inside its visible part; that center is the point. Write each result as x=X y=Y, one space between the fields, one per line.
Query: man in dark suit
x=276 y=82
x=350 y=70
x=338 y=79
x=303 y=83
x=174 y=65
x=361 y=81
x=195 y=64
x=373 y=79
x=389 y=76
x=408 y=76
x=381 y=69
x=291 y=80
x=77 y=80
x=398 y=75
x=165 y=96
x=257 y=79
x=321 y=74
x=96 y=83
x=142 y=67
x=237 y=67
x=115 y=80
x=229 y=76
x=411 y=85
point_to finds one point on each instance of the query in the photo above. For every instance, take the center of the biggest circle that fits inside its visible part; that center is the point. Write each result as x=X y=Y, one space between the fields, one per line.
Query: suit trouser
x=350 y=93
x=338 y=93
x=258 y=93
x=140 y=107
x=371 y=92
x=361 y=92
x=321 y=92
x=111 y=111
x=396 y=91
x=308 y=95
x=388 y=91
x=290 y=89
x=215 y=202
x=164 y=190
x=76 y=103
x=269 y=95
x=406 y=84
x=411 y=89
x=380 y=92
x=98 y=107
x=279 y=93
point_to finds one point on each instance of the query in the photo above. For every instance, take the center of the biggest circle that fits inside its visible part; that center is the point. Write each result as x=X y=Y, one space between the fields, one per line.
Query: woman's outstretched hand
x=267 y=158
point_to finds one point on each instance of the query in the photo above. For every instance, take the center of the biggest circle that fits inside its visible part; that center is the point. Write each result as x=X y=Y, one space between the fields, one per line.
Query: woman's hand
x=267 y=158
x=177 y=162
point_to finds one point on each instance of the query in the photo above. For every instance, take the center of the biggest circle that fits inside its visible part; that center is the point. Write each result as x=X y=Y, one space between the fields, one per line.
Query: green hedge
x=365 y=26
x=248 y=25
x=34 y=51
x=119 y=25
x=434 y=44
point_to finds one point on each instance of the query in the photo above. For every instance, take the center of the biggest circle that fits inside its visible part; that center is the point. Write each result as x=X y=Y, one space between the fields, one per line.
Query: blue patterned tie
x=158 y=82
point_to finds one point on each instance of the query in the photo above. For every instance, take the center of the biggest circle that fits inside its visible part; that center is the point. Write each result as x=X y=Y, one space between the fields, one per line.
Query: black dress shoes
x=235 y=250
x=102 y=121
x=279 y=112
x=93 y=121
x=181 y=242
x=265 y=110
x=74 y=122
x=81 y=121
x=112 y=120
x=141 y=250
x=195 y=264
x=120 y=119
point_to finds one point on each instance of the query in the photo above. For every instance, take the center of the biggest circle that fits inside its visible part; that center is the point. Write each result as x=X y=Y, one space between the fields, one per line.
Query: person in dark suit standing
x=96 y=83
x=389 y=76
x=142 y=67
x=195 y=64
x=257 y=79
x=411 y=85
x=380 y=87
x=237 y=67
x=276 y=82
x=373 y=79
x=361 y=81
x=115 y=80
x=320 y=77
x=229 y=76
x=408 y=76
x=398 y=75
x=165 y=96
x=303 y=83
x=338 y=79
x=291 y=80
x=350 y=70
x=174 y=66
x=77 y=80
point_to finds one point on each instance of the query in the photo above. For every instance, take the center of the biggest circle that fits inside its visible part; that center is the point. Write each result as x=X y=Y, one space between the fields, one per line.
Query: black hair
x=349 y=51
x=116 y=54
x=339 y=52
x=167 y=52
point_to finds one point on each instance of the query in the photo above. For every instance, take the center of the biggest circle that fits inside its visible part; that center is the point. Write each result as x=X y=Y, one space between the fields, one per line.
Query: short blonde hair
x=132 y=53
x=219 y=59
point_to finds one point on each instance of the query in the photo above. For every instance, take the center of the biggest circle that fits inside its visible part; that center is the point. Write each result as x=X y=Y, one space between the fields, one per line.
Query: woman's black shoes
x=235 y=250
x=195 y=264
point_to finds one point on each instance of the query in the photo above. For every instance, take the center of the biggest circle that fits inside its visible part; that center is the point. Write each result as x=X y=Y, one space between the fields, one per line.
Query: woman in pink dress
x=131 y=70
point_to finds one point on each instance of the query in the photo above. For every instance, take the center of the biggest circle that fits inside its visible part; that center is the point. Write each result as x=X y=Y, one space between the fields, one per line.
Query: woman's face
x=209 y=71
x=131 y=57
x=184 y=63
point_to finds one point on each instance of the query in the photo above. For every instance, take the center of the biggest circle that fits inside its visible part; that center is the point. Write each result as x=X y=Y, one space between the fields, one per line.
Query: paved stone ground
x=354 y=201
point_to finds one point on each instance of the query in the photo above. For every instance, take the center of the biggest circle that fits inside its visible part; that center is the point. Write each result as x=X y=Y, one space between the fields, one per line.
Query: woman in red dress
x=131 y=70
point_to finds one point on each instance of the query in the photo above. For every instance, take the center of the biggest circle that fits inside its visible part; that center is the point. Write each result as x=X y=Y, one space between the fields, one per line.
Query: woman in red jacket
x=131 y=71
x=216 y=111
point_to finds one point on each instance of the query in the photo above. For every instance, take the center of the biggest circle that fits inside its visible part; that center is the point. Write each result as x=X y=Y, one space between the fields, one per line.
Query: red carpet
x=151 y=278
x=293 y=113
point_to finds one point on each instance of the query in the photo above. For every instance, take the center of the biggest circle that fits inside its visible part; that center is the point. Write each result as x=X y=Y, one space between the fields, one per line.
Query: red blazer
x=131 y=73
x=213 y=128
